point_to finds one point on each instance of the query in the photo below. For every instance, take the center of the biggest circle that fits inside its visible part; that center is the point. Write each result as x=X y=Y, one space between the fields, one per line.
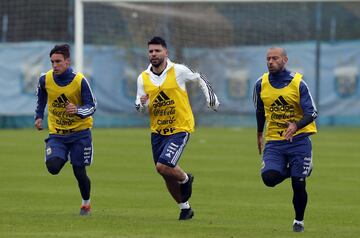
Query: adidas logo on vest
x=162 y=100
x=60 y=101
x=281 y=105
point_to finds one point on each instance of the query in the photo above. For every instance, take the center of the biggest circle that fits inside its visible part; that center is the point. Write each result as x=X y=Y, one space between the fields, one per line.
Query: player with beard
x=283 y=100
x=161 y=89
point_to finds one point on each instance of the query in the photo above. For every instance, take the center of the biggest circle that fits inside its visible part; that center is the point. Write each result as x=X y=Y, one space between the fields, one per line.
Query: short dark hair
x=157 y=40
x=63 y=49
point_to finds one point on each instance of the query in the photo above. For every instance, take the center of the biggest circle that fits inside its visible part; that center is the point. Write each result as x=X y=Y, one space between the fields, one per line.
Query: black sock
x=83 y=181
x=299 y=198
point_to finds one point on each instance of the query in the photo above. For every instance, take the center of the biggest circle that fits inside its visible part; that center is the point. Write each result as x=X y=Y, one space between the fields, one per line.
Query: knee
x=268 y=181
x=162 y=169
x=54 y=165
x=52 y=169
x=271 y=178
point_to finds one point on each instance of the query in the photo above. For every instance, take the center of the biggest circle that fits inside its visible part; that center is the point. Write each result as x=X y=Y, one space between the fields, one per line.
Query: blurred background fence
x=226 y=41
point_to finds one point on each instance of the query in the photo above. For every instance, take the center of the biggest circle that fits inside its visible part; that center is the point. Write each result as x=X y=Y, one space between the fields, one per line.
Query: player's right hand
x=38 y=124
x=143 y=99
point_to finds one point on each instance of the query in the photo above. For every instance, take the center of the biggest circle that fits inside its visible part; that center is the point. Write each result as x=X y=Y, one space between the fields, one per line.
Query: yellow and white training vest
x=59 y=121
x=281 y=107
x=169 y=106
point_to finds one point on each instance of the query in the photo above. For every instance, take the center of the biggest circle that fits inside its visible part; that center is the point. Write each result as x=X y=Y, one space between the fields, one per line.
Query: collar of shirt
x=169 y=64
x=281 y=79
x=64 y=78
x=159 y=79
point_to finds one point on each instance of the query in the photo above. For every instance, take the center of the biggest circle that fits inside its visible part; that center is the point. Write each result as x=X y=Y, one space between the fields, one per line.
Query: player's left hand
x=215 y=106
x=71 y=108
x=290 y=131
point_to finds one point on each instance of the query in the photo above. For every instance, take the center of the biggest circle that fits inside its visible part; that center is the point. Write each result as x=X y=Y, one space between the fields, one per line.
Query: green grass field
x=129 y=199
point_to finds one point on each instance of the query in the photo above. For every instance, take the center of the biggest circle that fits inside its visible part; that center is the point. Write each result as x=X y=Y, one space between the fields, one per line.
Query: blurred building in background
x=225 y=41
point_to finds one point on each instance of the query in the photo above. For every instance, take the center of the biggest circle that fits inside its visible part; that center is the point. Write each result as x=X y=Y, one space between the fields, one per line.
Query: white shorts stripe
x=179 y=151
x=92 y=153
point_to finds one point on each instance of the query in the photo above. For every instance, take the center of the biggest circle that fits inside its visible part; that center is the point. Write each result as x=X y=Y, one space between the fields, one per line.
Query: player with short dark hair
x=70 y=105
x=61 y=49
x=156 y=40
x=283 y=100
x=161 y=89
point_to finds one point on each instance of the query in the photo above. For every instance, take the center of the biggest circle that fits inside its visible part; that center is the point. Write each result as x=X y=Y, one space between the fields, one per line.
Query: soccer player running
x=70 y=104
x=283 y=100
x=161 y=89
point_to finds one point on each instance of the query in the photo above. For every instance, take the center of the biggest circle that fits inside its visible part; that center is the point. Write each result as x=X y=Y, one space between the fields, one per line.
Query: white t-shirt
x=183 y=74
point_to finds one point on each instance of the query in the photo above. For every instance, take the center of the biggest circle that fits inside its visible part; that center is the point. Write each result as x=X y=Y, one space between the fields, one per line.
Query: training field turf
x=129 y=199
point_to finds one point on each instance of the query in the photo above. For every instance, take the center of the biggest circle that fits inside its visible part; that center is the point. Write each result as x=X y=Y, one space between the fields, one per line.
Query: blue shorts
x=168 y=149
x=78 y=150
x=289 y=158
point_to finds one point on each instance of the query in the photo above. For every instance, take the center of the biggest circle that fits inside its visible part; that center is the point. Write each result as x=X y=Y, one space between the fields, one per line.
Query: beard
x=156 y=62
x=274 y=69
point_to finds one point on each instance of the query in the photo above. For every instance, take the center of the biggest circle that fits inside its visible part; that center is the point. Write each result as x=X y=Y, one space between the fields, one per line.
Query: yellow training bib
x=59 y=121
x=169 y=106
x=281 y=107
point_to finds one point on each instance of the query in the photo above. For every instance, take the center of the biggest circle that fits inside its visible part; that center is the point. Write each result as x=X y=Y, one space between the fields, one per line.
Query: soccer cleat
x=298 y=227
x=186 y=214
x=85 y=210
x=186 y=188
